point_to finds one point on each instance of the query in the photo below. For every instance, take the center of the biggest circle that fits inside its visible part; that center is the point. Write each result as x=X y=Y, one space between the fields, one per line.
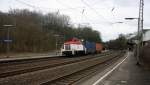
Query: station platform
x=124 y=71
x=24 y=56
x=128 y=73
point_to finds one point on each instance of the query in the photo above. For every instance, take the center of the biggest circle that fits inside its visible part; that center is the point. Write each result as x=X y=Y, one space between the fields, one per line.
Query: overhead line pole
x=140 y=30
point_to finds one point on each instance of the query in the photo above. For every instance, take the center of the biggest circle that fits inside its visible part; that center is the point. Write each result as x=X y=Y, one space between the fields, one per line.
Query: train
x=75 y=46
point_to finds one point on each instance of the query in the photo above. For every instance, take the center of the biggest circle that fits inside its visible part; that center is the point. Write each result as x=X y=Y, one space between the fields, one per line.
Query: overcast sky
x=102 y=15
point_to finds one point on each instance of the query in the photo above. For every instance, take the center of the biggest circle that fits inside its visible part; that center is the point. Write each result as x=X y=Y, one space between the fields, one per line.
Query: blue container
x=90 y=47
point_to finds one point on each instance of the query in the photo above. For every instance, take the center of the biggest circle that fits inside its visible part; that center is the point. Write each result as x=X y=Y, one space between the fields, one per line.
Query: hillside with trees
x=117 y=44
x=36 y=32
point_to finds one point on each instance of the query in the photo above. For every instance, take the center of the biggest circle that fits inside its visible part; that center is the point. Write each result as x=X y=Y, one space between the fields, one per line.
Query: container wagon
x=90 y=47
x=99 y=47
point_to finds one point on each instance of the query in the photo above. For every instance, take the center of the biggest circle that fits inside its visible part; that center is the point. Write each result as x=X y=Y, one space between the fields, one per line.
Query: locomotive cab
x=73 y=47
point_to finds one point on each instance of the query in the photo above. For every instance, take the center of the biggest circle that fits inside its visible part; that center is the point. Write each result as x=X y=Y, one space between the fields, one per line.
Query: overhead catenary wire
x=62 y=3
x=113 y=10
x=95 y=11
x=43 y=8
x=59 y=10
x=68 y=7
x=82 y=12
x=22 y=2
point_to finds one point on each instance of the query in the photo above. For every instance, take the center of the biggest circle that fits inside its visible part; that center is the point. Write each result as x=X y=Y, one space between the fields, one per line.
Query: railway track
x=77 y=77
x=41 y=71
x=9 y=68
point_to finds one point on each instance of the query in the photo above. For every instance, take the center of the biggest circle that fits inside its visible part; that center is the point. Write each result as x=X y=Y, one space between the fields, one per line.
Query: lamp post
x=56 y=44
x=59 y=41
x=130 y=18
x=8 y=39
x=117 y=23
x=138 y=38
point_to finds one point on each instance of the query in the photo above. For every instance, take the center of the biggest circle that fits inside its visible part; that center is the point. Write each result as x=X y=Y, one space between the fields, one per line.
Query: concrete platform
x=123 y=72
x=26 y=56
x=128 y=73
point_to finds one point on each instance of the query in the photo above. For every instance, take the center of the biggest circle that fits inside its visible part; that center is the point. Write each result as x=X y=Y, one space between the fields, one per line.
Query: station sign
x=8 y=41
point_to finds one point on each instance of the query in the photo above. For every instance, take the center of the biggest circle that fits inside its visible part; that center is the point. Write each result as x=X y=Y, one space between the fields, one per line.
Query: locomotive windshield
x=67 y=47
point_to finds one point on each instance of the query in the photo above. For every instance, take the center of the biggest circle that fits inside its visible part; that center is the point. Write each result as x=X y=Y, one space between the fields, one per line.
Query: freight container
x=90 y=47
x=99 y=47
